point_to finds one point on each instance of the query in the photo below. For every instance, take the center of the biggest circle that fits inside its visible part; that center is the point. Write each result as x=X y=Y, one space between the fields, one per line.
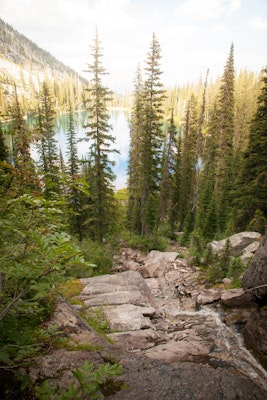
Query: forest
x=197 y=172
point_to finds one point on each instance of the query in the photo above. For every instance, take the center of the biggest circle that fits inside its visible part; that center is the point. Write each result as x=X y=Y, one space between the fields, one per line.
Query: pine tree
x=76 y=186
x=152 y=140
x=4 y=175
x=176 y=188
x=251 y=193
x=168 y=171
x=3 y=148
x=100 y=139
x=224 y=155
x=25 y=177
x=216 y=176
x=47 y=144
x=188 y=159
x=134 y=167
x=206 y=212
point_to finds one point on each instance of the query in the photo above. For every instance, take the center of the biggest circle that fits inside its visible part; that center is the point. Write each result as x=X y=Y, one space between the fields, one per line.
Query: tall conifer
x=134 y=168
x=168 y=171
x=224 y=155
x=100 y=140
x=47 y=144
x=76 y=187
x=151 y=140
x=251 y=192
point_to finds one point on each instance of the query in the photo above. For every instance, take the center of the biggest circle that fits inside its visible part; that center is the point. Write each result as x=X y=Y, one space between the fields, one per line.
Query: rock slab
x=256 y=275
x=238 y=243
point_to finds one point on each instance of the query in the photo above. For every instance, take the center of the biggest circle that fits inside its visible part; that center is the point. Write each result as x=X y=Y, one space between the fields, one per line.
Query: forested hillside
x=197 y=166
x=194 y=175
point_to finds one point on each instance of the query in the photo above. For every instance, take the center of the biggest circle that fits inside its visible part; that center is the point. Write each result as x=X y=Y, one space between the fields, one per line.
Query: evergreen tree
x=76 y=186
x=4 y=175
x=25 y=177
x=151 y=142
x=224 y=154
x=3 y=148
x=175 y=194
x=100 y=139
x=251 y=193
x=134 y=167
x=47 y=144
x=168 y=171
x=216 y=176
x=188 y=159
x=206 y=212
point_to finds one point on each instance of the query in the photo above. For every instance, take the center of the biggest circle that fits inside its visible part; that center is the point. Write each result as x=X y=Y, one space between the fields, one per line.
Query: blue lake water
x=120 y=130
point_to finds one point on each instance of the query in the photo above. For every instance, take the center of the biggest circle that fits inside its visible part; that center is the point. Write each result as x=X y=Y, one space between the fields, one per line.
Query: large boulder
x=157 y=263
x=238 y=243
x=128 y=287
x=235 y=298
x=255 y=334
x=256 y=275
x=248 y=252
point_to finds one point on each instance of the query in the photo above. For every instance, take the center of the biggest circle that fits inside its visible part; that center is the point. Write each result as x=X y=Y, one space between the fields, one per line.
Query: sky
x=194 y=35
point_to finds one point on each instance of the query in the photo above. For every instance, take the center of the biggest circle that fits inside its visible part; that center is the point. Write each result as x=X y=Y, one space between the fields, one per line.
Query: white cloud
x=206 y=9
x=219 y=28
x=258 y=24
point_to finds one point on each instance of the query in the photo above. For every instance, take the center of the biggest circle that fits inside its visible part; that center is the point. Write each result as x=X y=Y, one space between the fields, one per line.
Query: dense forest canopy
x=197 y=165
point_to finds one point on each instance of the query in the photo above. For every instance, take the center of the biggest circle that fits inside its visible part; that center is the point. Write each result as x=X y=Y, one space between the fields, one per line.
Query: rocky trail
x=175 y=337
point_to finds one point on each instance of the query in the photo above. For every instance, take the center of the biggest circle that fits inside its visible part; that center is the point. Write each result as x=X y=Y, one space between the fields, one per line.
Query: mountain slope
x=18 y=50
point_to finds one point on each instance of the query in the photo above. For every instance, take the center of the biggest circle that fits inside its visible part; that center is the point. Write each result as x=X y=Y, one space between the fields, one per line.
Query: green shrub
x=97 y=254
x=90 y=383
x=145 y=243
x=96 y=318
x=236 y=271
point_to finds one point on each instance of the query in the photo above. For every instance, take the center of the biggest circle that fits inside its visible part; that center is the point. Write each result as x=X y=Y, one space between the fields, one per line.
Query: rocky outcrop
x=156 y=263
x=256 y=275
x=146 y=378
x=126 y=287
x=235 y=298
x=255 y=334
x=248 y=253
x=238 y=243
x=165 y=333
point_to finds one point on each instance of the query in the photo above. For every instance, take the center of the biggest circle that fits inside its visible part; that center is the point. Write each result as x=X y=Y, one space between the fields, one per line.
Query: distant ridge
x=17 y=50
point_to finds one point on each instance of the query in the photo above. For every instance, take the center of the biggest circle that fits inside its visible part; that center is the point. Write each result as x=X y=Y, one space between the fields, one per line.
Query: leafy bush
x=144 y=243
x=97 y=254
x=96 y=318
x=91 y=383
x=236 y=271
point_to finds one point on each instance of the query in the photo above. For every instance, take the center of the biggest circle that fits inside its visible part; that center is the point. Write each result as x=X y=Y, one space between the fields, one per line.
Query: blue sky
x=193 y=34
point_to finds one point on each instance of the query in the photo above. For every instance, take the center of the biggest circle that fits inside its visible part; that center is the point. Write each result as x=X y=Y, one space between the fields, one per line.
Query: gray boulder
x=255 y=334
x=235 y=298
x=249 y=251
x=256 y=275
x=238 y=243
x=157 y=263
x=128 y=287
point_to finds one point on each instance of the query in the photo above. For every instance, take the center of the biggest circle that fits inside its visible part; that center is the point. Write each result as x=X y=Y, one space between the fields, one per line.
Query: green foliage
x=258 y=222
x=97 y=254
x=96 y=318
x=35 y=256
x=251 y=186
x=71 y=288
x=146 y=146
x=223 y=266
x=145 y=243
x=101 y=202
x=122 y=195
x=91 y=383
x=235 y=271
